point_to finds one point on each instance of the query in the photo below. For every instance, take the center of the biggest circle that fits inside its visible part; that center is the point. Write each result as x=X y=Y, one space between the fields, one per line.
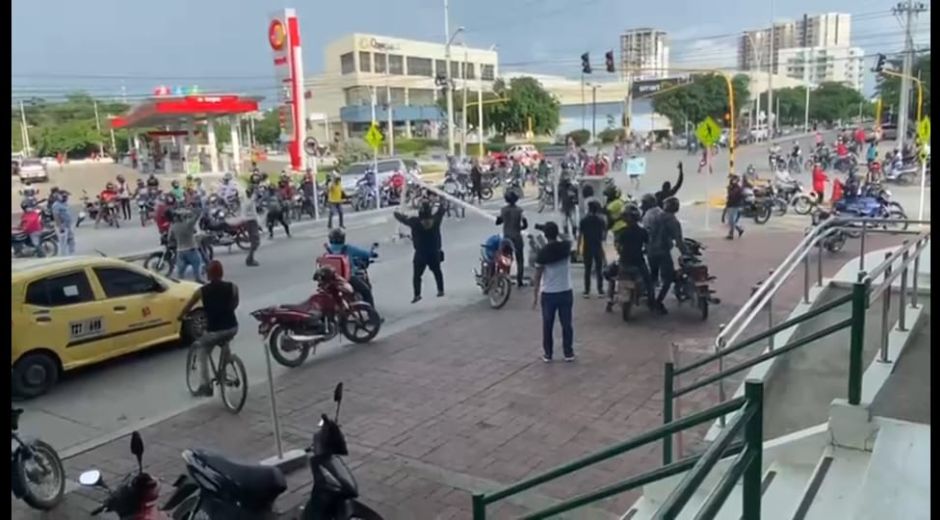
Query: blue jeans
x=66 y=241
x=189 y=257
x=560 y=303
x=36 y=240
x=731 y=218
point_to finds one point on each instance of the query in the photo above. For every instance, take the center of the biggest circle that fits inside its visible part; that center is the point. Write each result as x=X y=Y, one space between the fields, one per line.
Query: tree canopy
x=524 y=97
x=831 y=101
x=889 y=87
x=704 y=95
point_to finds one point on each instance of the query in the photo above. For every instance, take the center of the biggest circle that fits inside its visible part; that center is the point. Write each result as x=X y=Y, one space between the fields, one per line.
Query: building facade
x=645 y=52
x=815 y=65
x=828 y=30
x=404 y=76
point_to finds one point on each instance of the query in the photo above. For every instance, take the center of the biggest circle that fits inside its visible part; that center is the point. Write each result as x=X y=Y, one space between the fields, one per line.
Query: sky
x=107 y=47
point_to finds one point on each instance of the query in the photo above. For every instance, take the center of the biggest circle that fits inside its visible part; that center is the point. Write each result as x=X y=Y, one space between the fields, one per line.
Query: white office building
x=646 y=52
x=815 y=65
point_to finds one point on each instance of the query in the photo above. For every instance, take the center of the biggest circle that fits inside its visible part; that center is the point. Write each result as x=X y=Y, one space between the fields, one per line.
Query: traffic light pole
x=583 y=108
x=594 y=113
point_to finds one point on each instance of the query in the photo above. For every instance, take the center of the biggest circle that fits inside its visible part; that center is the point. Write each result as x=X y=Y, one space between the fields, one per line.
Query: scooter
x=35 y=467
x=218 y=488
x=136 y=497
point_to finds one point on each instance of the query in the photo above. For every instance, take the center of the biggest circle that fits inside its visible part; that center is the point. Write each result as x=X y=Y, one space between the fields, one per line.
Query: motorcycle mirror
x=338 y=399
x=90 y=478
x=375 y=245
x=137 y=448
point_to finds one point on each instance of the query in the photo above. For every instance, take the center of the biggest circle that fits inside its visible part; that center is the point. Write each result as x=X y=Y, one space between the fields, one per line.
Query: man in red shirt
x=860 y=137
x=160 y=216
x=819 y=181
x=31 y=225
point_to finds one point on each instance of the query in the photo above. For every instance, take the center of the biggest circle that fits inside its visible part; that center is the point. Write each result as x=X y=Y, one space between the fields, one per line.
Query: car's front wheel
x=34 y=374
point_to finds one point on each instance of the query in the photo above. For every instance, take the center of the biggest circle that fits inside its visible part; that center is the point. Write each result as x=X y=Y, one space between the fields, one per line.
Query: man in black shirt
x=219 y=301
x=476 y=182
x=426 y=239
x=593 y=227
x=631 y=242
x=510 y=217
x=668 y=190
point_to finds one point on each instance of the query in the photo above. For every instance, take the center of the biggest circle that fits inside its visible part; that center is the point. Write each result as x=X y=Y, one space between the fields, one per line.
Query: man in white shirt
x=553 y=289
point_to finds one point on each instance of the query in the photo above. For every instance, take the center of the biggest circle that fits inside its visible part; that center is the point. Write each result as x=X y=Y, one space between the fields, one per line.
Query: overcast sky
x=102 y=45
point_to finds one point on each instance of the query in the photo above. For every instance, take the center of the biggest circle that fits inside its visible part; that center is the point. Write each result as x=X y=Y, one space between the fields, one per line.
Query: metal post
x=861 y=257
x=902 y=325
x=677 y=412
x=885 y=311
x=857 y=341
x=754 y=440
x=667 y=411
x=806 y=278
x=479 y=507
x=819 y=258
x=914 y=279
x=721 y=367
x=770 y=313
x=274 y=419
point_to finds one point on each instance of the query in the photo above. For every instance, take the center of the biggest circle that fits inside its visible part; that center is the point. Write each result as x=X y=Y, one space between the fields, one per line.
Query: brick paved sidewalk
x=465 y=404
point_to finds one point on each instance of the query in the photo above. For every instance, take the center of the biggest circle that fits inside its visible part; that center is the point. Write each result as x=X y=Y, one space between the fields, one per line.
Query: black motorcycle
x=546 y=195
x=758 y=206
x=22 y=246
x=136 y=496
x=36 y=473
x=146 y=204
x=217 y=487
x=835 y=239
x=163 y=262
x=90 y=209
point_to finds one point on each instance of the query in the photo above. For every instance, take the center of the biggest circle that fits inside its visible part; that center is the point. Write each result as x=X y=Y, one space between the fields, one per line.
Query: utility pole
x=770 y=76
x=480 y=115
x=98 y=126
x=450 y=93
x=583 y=108
x=806 y=110
x=463 y=127
x=594 y=113
x=388 y=100
x=628 y=110
x=25 y=130
x=910 y=9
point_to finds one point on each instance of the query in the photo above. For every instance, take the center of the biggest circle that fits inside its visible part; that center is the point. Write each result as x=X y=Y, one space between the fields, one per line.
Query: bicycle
x=237 y=379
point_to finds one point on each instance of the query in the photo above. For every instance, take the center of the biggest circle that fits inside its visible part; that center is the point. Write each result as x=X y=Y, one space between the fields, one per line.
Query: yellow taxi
x=76 y=311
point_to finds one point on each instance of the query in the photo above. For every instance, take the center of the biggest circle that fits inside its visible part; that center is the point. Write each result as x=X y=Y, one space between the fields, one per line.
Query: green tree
x=705 y=95
x=524 y=97
x=268 y=128
x=889 y=87
x=833 y=101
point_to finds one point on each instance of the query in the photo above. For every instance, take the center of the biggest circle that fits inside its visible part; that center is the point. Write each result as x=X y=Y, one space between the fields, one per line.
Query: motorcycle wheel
x=703 y=304
x=160 y=263
x=486 y=193
x=762 y=214
x=242 y=240
x=802 y=204
x=362 y=317
x=834 y=244
x=53 y=476
x=895 y=212
x=50 y=247
x=499 y=291
x=291 y=356
x=780 y=206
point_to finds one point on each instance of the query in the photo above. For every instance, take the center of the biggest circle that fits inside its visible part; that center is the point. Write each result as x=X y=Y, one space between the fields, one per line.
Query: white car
x=33 y=170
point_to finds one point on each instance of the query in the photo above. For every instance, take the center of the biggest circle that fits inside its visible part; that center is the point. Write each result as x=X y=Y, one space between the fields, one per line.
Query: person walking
x=665 y=232
x=426 y=239
x=335 y=197
x=219 y=301
x=593 y=228
x=733 y=202
x=183 y=231
x=124 y=197
x=554 y=292
x=476 y=182
x=513 y=222
x=62 y=217
x=250 y=218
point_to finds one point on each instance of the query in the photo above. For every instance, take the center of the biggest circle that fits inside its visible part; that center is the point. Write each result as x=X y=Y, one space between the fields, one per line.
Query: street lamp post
x=450 y=93
x=750 y=37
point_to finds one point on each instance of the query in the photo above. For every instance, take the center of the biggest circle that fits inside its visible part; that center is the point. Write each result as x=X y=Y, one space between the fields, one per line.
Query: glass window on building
x=380 y=58
x=488 y=73
x=469 y=71
x=347 y=63
x=398 y=96
x=358 y=96
x=420 y=96
x=439 y=68
x=455 y=69
x=420 y=67
x=365 y=61
x=396 y=64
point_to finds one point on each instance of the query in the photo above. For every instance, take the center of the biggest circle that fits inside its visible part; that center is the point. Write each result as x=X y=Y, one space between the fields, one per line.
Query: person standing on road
x=553 y=290
x=250 y=216
x=62 y=217
x=819 y=181
x=568 y=200
x=510 y=217
x=219 y=301
x=593 y=228
x=183 y=231
x=668 y=190
x=631 y=243
x=426 y=239
x=733 y=203
x=476 y=182
x=335 y=197
x=665 y=232
x=124 y=197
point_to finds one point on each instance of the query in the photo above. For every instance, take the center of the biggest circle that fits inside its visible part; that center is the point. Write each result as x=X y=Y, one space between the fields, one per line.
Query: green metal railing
x=747 y=464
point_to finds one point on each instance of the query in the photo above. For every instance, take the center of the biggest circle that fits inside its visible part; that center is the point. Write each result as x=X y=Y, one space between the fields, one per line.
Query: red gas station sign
x=284 y=40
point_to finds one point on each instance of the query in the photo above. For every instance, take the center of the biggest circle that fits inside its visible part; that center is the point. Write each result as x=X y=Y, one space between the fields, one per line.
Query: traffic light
x=880 y=65
x=609 y=61
x=586 y=63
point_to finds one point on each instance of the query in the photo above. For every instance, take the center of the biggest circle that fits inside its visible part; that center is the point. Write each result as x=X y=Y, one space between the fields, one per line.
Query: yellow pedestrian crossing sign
x=374 y=137
x=923 y=130
x=708 y=132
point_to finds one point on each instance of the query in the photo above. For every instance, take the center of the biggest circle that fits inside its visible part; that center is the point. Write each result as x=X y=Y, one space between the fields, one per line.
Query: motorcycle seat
x=257 y=484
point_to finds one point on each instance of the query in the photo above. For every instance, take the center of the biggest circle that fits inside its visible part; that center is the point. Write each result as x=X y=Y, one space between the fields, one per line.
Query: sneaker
x=546 y=359
x=729 y=237
x=252 y=263
x=740 y=232
x=569 y=359
x=416 y=299
x=587 y=296
x=204 y=391
x=440 y=294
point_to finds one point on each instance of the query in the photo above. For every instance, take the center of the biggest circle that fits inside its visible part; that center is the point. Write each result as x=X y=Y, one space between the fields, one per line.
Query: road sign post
x=708 y=133
x=312 y=148
x=374 y=139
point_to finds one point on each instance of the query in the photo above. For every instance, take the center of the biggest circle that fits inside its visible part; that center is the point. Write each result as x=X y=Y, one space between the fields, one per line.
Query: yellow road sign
x=923 y=130
x=374 y=137
x=708 y=132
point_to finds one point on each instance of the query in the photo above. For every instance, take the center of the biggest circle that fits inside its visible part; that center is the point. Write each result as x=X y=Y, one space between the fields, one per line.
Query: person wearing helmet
x=614 y=208
x=31 y=225
x=631 y=244
x=62 y=217
x=153 y=182
x=308 y=188
x=52 y=198
x=593 y=229
x=124 y=197
x=665 y=232
x=177 y=190
x=277 y=206
x=161 y=214
x=228 y=190
x=733 y=203
x=568 y=200
x=426 y=239
x=668 y=190
x=358 y=259
x=513 y=222
x=106 y=197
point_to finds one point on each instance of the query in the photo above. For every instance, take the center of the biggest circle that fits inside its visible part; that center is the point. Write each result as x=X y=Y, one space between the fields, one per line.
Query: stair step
x=897 y=483
x=783 y=486
x=835 y=485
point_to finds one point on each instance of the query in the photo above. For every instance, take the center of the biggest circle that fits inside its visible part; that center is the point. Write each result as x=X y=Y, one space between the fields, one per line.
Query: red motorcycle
x=493 y=276
x=293 y=332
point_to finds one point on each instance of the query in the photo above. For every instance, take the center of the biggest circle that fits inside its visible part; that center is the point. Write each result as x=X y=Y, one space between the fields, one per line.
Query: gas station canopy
x=174 y=110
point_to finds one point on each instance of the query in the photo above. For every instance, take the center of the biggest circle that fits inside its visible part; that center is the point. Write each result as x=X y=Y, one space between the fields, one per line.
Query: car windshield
x=32 y=162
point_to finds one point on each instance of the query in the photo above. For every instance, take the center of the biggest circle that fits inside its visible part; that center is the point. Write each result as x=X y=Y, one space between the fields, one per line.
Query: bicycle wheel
x=192 y=372
x=233 y=383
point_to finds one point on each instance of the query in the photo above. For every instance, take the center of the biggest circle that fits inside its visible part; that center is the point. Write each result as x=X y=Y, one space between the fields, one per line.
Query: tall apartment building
x=645 y=51
x=815 y=48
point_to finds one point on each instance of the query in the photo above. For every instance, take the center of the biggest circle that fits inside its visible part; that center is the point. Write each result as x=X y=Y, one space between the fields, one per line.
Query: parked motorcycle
x=493 y=277
x=36 y=473
x=364 y=197
x=136 y=497
x=900 y=171
x=218 y=488
x=146 y=203
x=22 y=246
x=292 y=332
x=90 y=211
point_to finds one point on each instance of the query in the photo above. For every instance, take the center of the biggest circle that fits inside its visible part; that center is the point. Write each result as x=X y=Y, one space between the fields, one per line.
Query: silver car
x=385 y=169
x=33 y=170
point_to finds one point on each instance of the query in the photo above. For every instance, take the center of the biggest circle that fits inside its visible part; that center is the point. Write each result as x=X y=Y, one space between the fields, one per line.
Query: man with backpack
x=358 y=262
